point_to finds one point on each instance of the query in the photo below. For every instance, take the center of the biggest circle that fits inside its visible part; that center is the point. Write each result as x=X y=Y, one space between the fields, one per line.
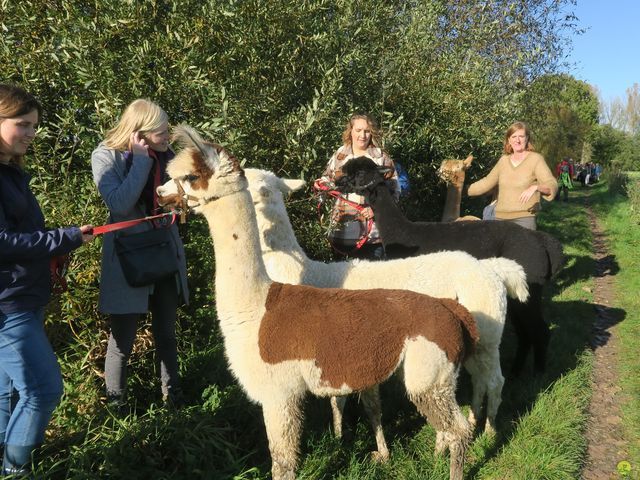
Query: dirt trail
x=606 y=445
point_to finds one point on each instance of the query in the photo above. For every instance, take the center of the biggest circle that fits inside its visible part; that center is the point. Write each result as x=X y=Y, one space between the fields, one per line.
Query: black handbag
x=147 y=257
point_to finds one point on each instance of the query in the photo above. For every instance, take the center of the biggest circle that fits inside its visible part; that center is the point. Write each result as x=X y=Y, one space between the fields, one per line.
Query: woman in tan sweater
x=521 y=176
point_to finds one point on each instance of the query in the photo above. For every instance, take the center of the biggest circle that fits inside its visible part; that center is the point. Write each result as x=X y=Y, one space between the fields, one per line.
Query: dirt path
x=606 y=445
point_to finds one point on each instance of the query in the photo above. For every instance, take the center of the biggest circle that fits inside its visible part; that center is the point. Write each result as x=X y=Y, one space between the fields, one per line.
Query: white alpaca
x=283 y=341
x=480 y=285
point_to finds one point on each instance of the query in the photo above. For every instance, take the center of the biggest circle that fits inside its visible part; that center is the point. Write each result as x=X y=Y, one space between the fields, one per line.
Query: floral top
x=348 y=224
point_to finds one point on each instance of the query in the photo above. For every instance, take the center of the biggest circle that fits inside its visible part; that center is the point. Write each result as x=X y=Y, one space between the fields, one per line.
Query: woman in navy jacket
x=30 y=380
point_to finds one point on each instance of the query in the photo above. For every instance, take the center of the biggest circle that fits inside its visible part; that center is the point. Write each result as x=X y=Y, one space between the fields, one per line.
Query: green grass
x=220 y=435
x=622 y=226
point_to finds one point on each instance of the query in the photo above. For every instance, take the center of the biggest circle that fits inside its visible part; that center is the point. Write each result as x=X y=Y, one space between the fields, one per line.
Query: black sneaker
x=117 y=405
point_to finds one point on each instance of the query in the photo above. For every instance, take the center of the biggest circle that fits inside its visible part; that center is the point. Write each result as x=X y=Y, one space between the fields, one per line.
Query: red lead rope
x=58 y=265
x=112 y=227
x=320 y=187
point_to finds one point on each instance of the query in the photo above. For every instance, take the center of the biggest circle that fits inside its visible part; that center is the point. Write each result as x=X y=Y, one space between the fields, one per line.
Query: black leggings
x=163 y=304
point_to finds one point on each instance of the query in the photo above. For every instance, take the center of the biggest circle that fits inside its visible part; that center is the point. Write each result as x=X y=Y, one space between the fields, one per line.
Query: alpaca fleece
x=352 y=342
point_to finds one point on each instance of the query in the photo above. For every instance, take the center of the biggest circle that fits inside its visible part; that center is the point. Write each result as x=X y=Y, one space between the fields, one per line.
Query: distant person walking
x=564 y=174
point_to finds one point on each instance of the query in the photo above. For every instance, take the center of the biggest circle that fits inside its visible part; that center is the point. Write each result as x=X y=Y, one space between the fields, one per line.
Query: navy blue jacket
x=26 y=246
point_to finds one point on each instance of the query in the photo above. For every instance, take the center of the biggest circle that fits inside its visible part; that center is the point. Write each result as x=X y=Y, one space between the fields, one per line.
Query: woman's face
x=16 y=134
x=360 y=134
x=518 y=141
x=158 y=139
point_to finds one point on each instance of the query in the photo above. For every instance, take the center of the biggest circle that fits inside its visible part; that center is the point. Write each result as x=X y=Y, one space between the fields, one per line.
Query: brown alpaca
x=283 y=341
x=453 y=173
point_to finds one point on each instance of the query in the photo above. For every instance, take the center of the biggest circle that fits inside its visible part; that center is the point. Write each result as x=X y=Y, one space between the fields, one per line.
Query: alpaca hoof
x=380 y=457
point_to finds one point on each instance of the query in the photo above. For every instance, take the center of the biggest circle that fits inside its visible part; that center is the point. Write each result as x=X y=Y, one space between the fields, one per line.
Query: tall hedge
x=274 y=80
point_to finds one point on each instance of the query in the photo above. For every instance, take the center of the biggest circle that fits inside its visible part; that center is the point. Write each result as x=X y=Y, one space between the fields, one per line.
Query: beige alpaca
x=283 y=341
x=453 y=173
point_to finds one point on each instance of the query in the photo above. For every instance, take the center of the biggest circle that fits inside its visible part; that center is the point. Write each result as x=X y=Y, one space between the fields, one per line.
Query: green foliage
x=616 y=149
x=562 y=112
x=633 y=194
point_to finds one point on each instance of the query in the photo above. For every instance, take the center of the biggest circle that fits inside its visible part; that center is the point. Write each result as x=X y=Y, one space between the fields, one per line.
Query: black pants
x=163 y=304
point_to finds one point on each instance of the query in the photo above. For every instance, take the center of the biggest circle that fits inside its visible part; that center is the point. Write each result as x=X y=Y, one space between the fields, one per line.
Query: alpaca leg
x=337 y=408
x=479 y=386
x=371 y=401
x=538 y=328
x=517 y=316
x=441 y=410
x=486 y=377
x=441 y=443
x=494 y=399
x=283 y=422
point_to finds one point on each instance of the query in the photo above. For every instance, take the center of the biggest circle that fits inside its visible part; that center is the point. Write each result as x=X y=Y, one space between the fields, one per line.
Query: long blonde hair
x=376 y=134
x=141 y=115
x=16 y=101
x=512 y=128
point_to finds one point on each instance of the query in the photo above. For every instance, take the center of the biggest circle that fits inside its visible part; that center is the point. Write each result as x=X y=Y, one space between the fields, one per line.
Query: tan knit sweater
x=512 y=181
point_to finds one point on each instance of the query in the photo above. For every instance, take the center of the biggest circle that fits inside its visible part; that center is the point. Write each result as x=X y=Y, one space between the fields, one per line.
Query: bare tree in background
x=622 y=114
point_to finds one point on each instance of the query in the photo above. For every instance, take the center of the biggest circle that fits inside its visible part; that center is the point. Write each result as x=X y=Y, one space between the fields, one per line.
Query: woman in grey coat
x=127 y=167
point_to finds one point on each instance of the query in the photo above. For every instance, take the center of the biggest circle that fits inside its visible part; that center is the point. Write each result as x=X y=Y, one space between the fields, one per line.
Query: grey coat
x=121 y=193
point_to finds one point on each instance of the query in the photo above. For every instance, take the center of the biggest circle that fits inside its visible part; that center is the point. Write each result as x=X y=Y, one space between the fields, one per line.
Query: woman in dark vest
x=30 y=380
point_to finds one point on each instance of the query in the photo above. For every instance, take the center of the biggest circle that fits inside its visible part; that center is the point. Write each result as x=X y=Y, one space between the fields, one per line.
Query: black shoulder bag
x=149 y=256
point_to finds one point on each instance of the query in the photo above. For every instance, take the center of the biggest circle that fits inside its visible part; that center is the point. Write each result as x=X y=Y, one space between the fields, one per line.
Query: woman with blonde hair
x=30 y=379
x=349 y=224
x=127 y=167
x=522 y=177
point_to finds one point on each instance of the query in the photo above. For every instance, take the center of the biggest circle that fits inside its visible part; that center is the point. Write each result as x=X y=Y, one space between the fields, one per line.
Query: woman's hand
x=367 y=213
x=528 y=193
x=138 y=144
x=86 y=233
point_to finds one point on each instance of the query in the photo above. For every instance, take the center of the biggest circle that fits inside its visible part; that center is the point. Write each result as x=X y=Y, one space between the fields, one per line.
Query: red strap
x=321 y=187
x=336 y=194
x=112 y=227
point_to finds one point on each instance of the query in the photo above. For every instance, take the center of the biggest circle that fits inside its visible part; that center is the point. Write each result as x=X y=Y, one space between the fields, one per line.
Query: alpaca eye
x=191 y=178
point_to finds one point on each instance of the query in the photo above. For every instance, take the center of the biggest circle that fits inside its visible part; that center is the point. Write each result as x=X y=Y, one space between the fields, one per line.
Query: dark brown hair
x=16 y=101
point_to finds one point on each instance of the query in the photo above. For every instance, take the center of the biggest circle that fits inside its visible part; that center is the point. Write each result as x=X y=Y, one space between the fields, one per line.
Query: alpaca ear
x=225 y=164
x=187 y=137
x=467 y=162
x=292 y=185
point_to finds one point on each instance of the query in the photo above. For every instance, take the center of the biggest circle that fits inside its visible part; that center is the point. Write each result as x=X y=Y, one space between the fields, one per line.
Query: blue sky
x=607 y=55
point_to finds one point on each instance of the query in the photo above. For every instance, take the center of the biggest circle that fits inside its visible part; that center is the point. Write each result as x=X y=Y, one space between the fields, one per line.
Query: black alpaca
x=539 y=253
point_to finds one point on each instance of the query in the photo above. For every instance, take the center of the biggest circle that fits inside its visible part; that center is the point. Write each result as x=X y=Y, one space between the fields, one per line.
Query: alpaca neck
x=451 y=210
x=276 y=232
x=241 y=278
x=387 y=213
x=284 y=258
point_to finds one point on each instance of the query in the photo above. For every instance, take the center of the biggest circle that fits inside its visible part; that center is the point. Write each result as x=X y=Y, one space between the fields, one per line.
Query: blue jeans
x=30 y=384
